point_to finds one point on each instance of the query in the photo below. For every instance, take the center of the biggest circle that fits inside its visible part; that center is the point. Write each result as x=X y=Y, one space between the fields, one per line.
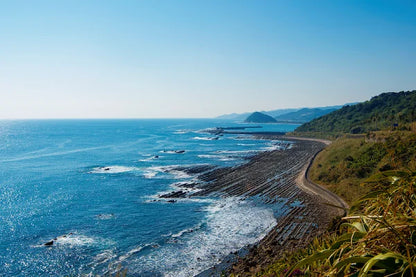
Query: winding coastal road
x=303 y=181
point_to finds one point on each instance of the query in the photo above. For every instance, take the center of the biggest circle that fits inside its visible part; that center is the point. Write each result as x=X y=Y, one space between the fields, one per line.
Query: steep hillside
x=278 y=112
x=349 y=161
x=383 y=111
x=258 y=117
x=303 y=115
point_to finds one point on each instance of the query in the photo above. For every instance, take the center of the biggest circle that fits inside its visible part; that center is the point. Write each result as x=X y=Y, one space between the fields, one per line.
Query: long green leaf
x=356 y=259
x=359 y=226
x=347 y=237
x=381 y=257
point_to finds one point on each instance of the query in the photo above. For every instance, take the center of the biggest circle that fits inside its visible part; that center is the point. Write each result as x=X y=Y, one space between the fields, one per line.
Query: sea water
x=91 y=187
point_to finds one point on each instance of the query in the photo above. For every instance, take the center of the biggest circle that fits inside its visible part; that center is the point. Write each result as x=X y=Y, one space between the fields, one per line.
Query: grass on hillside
x=349 y=161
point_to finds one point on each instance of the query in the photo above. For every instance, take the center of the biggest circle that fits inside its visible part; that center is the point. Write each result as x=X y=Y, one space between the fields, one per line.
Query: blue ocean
x=90 y=188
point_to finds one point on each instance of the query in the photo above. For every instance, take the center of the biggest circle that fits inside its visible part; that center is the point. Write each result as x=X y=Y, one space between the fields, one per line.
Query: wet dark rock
x=188 y=185
x=197 y=169
x=174 y=194
x=49 y=243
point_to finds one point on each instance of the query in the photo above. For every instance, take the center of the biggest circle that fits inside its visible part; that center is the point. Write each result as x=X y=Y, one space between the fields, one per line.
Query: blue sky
x=158 y=59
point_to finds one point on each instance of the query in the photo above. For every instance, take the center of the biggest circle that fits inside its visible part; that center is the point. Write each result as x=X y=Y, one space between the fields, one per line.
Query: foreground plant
x=377 y=239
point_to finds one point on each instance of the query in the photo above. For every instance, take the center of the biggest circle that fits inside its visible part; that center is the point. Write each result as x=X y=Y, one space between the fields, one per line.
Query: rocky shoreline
x=271 y=176
x=298 y=228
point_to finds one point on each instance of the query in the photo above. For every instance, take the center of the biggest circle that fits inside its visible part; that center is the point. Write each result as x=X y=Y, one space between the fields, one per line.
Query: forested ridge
x=387 y=110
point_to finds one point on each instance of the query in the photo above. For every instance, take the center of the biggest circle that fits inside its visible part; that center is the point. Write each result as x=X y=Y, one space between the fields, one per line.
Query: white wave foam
x=103 y=257
x=237 y=151
x=229 y=225
x=150 y=159
x=108 y=257
x=182 y=131
x=150 y=174
x=112 y=169
x=75 y=240
x=272 y=148
x=130 y=253
x=173 y=170
x=186 y=231
x=216 y=157
x=180 y=174
x=205 y=138
x=277 y=145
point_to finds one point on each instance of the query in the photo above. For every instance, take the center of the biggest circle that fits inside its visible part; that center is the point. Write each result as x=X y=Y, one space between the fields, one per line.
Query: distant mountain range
x=298 y=115
x=304 y=115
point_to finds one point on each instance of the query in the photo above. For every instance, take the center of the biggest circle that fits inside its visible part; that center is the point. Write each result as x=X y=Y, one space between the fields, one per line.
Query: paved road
x=310 y=187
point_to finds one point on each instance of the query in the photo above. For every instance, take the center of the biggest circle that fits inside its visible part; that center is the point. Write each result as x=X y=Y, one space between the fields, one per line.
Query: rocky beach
x=272 y=176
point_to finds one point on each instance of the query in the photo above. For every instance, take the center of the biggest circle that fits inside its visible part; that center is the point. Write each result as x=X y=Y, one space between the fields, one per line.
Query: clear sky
x=158 y=59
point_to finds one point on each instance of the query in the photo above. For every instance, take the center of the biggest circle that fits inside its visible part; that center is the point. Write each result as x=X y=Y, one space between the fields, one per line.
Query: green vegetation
x=375 y=172
x=349 y=161
x=387 y=110
x=378 y=238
